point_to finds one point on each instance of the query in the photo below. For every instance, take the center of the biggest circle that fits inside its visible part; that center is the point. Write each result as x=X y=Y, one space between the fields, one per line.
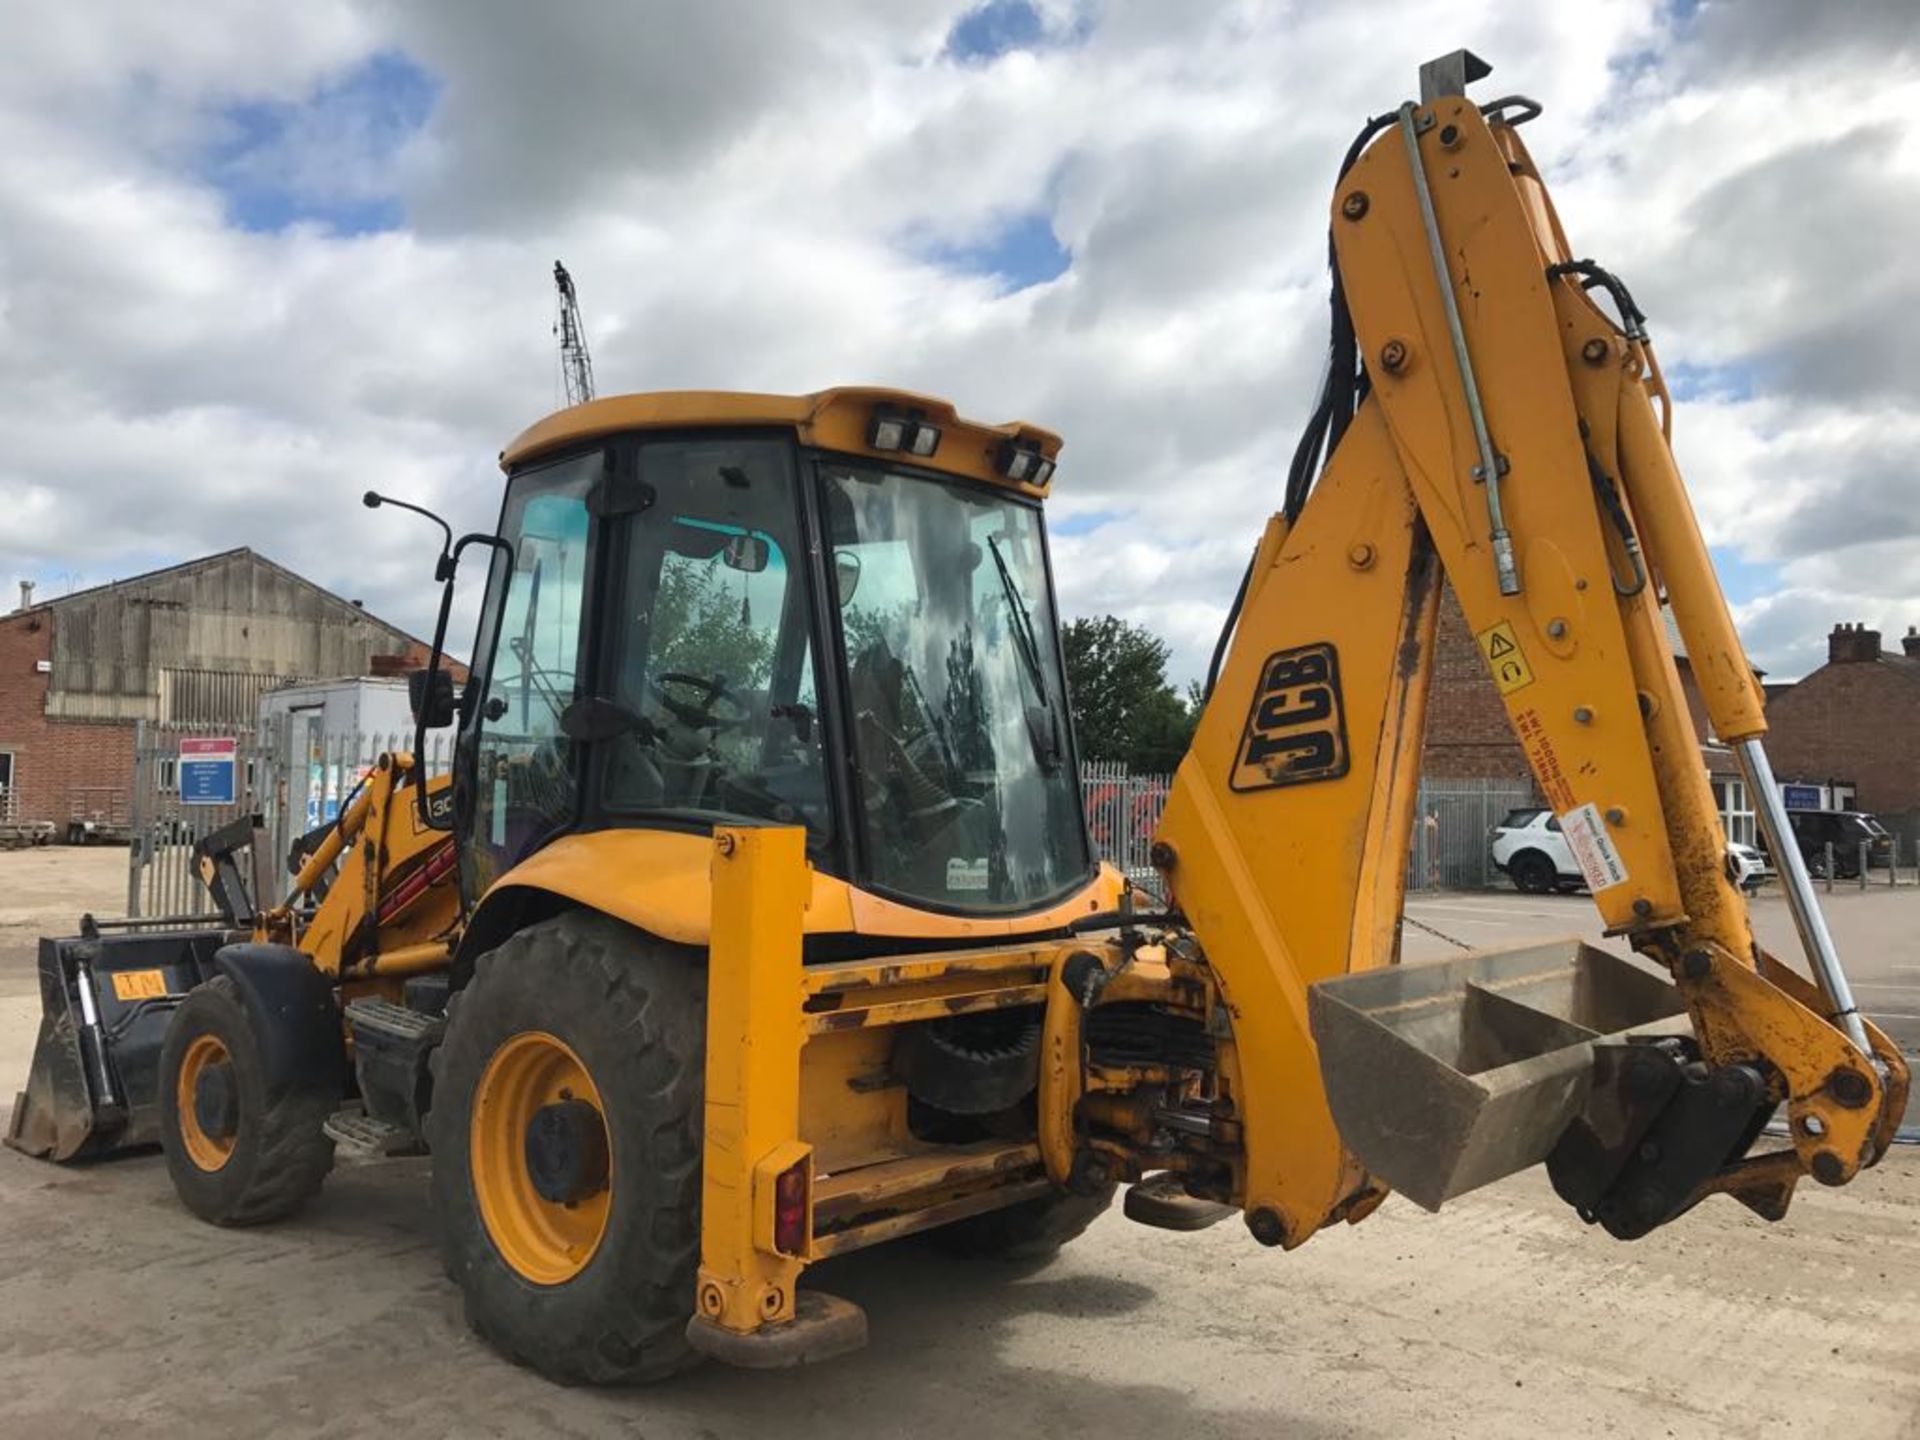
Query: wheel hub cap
x=540 y=1158
x=566 y=1152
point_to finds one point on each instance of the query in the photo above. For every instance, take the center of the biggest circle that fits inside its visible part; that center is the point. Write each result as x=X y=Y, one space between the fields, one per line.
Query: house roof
x=238 y=552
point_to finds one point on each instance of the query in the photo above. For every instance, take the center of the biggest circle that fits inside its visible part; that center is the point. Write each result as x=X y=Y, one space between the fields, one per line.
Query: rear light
x=790 y=1208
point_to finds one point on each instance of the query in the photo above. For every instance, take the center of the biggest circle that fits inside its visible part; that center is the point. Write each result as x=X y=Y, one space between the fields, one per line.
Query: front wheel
x=238 y=1152
x=566 y=1135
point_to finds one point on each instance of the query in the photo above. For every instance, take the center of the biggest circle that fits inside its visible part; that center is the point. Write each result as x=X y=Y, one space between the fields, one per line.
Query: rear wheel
x=238 y=1153
x=1532 y=873
x=566 y=1149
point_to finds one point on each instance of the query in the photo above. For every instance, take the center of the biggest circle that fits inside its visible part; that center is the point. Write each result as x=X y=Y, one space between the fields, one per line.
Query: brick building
x=195 y=643
x=1853 y=725
x=1469 y=738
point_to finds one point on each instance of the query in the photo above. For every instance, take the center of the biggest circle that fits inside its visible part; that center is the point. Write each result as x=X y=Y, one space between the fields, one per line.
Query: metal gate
x=1452 y=831
x=289 y=771
x=164 y=824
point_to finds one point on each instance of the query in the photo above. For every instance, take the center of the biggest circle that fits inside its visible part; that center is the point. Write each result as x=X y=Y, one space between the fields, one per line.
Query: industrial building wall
x=57 y=766
x=202 y=641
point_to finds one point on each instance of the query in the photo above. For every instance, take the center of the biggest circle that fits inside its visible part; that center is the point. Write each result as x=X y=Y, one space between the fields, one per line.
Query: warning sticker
x=139 y=985
x=1600 y=864
x=1505 y=658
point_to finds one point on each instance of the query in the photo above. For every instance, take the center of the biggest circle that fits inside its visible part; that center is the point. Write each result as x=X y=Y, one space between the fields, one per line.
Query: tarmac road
x=1503 y=1316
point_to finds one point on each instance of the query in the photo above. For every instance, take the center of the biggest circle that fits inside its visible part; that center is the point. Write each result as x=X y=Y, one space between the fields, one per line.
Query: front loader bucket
x=1447 y=1076
x=104 y=1006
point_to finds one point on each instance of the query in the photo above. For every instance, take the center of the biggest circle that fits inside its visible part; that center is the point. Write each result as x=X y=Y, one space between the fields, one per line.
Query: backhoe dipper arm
x=1505 y=436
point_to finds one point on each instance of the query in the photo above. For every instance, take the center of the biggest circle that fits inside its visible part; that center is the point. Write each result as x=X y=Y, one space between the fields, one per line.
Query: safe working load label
x=1505 y=658
x=1600 y=864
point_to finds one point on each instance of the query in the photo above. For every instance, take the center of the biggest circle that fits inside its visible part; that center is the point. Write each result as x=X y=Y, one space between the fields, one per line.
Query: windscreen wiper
x=1044 y=729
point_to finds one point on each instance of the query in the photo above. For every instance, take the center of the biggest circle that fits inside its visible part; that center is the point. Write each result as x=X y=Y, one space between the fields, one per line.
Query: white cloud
x=751 y=196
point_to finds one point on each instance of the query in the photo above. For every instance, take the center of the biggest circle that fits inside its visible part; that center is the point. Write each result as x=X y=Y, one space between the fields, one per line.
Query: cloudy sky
x=256 y=258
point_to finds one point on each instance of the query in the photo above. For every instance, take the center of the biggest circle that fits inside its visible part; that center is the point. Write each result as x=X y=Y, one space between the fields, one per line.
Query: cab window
x=711 y=657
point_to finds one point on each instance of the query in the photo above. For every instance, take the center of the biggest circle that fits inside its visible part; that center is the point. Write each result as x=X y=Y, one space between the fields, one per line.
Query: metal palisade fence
x=1448 y=850
x=1123 y=810
x=190 y=780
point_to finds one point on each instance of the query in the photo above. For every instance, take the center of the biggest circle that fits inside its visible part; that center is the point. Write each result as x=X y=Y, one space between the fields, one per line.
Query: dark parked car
x=1846 y=831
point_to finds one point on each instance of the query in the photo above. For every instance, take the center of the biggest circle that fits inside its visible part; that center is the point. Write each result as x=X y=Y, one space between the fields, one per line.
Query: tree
x=1123 y=707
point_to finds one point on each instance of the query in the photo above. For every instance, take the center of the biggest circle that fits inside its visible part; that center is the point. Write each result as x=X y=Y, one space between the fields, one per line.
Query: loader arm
x=1500 y=431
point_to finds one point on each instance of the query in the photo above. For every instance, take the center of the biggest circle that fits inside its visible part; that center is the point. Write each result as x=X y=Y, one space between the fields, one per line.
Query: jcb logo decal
x=1297 y=729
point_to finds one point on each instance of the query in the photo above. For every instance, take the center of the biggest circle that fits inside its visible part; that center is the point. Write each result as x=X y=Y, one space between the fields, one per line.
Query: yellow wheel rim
x=207 y=1151
x=546 y=1241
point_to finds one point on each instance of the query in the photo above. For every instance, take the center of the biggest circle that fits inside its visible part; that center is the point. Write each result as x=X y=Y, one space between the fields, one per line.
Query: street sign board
x=207 y=769
x=1800 y=797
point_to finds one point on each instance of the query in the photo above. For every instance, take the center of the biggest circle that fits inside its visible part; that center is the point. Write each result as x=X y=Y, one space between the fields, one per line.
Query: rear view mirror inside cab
x=746 y=552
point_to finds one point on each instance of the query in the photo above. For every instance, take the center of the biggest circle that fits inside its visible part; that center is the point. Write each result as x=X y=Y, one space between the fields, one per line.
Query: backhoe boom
x=1501 y=432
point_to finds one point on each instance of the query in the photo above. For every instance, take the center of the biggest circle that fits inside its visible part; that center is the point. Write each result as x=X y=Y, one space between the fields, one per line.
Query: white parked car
x=1747 y=867
x=1530 y=850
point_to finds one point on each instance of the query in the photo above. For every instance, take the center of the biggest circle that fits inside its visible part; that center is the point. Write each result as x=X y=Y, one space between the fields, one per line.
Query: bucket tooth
x=1447 y=1076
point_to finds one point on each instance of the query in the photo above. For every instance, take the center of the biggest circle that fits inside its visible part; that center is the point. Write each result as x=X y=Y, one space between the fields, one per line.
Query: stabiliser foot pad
x=1160 y=1202
x=822 y=1327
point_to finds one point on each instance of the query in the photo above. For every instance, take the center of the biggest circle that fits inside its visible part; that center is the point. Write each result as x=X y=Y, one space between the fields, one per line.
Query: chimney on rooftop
x=1852 y=644
x=26 y=594
x=1910 y=642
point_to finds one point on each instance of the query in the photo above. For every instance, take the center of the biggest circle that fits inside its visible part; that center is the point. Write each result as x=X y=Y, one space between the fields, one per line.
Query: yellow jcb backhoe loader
x=759 y=921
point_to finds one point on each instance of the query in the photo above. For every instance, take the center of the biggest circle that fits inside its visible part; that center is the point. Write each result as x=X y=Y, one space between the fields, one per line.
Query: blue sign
x=1800 y=797
x=207 y=770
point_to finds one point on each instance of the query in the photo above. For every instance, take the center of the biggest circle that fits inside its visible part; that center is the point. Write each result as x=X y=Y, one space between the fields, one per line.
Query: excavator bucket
x=1447 y=1076
x=105 y=1001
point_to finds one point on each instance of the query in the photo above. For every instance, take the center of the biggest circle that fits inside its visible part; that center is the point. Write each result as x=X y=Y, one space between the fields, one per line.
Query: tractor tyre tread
x=281 y=1154
x=636 y=1007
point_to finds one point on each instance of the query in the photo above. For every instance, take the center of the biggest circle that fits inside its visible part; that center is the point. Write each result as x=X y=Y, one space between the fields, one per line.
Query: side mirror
x=431 y=692
x=746 y=552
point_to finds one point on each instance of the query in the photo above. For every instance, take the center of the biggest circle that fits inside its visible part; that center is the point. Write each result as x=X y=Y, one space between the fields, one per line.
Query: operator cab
x=832 y=611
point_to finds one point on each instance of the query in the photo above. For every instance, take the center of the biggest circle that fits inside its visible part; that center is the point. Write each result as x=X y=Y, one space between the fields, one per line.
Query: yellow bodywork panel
x=660 y=881
x=835 y=419
x=753 y=1072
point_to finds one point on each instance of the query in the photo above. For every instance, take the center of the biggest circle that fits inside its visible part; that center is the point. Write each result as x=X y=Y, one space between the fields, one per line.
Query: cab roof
x=836 y=419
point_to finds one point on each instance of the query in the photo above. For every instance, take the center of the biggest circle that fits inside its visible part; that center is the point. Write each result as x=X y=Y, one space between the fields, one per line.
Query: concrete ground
x=1503 y=1316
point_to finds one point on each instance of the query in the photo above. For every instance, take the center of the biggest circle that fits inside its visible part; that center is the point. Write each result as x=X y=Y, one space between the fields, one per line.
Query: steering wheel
x=704 y=713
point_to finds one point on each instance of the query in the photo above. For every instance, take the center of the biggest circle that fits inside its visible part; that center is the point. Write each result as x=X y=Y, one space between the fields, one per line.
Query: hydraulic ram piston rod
x=1815 y=939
